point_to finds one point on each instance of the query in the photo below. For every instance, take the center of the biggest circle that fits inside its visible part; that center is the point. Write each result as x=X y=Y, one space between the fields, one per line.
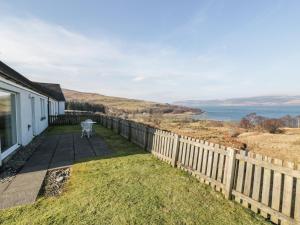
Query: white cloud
x=50 y=53
x=139 y=78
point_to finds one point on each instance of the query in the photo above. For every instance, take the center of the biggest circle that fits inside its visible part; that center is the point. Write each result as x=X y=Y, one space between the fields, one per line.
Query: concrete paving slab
x=56 y=151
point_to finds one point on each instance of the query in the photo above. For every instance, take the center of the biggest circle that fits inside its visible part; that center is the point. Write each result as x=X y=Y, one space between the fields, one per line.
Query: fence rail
x=262 y=184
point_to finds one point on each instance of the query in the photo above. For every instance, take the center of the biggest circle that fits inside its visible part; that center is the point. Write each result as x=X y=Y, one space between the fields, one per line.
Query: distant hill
x=252 y=101
x=119 y=105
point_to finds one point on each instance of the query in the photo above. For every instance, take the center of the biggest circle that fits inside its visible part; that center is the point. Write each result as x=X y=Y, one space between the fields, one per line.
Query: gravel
x=10 y=168
x=54 y=182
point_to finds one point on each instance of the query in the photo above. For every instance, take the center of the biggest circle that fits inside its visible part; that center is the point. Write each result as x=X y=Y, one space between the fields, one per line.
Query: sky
x=156 y=50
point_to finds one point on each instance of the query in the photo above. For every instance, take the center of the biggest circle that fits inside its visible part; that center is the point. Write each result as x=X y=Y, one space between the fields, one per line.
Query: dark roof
x=51 y=90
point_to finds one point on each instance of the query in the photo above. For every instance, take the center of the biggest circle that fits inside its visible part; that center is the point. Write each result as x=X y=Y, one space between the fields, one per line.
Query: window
x=43 y=114
x=8 y=131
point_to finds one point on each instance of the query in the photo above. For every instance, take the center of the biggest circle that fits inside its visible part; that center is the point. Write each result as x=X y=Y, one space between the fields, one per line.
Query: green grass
x=131 y=187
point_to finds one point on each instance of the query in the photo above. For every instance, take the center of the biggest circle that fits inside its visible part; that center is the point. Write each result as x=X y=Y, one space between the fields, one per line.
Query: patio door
x=8 y=131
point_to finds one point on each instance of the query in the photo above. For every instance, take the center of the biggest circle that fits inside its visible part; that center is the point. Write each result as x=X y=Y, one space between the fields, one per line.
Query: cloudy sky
x=156 y=50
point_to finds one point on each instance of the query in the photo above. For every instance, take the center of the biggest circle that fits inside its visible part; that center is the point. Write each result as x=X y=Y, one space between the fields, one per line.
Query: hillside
x=125 y=105
x=252 y=101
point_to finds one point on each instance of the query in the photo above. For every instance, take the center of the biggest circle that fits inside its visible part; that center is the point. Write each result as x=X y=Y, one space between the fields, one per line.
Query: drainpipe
x=48 y=110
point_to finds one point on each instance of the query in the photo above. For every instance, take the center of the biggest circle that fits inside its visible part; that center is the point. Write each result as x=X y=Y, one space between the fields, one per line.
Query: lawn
x=130 y=187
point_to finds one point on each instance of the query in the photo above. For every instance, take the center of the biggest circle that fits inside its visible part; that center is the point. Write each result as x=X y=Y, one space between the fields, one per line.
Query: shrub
x=272 y=125
x=245 y=123
x=233 y=132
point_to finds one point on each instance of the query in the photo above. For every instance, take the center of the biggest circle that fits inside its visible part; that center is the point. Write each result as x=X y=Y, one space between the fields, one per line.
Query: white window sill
x=9 y=151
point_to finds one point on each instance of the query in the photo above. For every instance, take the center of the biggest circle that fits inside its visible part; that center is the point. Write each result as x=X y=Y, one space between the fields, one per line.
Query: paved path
x=55 y=152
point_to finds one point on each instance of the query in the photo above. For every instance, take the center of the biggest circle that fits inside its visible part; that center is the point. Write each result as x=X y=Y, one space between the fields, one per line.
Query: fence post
x=175 y=150
x=129 y=131
x=229 y=176
x=146 y=138
x=119 y=126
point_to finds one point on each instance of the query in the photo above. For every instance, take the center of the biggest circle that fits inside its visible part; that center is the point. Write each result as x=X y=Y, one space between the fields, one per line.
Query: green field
x=130 y=187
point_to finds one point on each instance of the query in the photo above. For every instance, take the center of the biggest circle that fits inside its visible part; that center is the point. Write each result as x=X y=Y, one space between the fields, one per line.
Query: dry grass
x=113 y=102
x=285 y=146
x=212 y=131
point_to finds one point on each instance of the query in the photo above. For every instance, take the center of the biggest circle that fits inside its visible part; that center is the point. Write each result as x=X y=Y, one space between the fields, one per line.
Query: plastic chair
x=87 y=129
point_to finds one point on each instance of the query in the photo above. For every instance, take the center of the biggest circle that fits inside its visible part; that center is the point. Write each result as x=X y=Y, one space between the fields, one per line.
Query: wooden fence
x=71 y=119
x=267 y=186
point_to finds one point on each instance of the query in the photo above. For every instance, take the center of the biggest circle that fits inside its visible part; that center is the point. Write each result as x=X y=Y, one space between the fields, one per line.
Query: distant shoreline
x=236 y=113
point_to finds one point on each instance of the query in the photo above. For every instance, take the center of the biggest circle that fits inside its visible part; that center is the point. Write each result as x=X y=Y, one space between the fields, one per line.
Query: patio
x=56 y=151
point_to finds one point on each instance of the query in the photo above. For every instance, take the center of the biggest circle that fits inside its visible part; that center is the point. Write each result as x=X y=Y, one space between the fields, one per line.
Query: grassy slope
x=116 y=104
x=130 y=188
x=113 y=102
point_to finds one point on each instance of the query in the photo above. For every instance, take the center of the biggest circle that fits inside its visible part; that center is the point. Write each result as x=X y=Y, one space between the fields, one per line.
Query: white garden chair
x=87 y=129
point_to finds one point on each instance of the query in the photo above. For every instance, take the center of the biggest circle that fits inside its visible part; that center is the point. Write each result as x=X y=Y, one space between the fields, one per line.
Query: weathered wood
x=256 y=183
x=154 y=141
x=297 y=199
x=282 y=169
x=204 y=162
x=276 y=192
x=215 y=164
x=191 y=158
x=230 y=173
x=200 y=157
x=287 y=193
x=266 y=188
x=175 y=150
x=208 y=147
x=162 y=144
x=240 y=177
x=196 y=157
x=209 y=162
x=221 y=168
x=188 y=149
x=180 y=152
x=158 y=144
x=183 y=153
x=248 y=179
x=263 y=207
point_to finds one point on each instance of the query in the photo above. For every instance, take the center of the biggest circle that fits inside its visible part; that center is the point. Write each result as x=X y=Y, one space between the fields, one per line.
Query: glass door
x=8 y=131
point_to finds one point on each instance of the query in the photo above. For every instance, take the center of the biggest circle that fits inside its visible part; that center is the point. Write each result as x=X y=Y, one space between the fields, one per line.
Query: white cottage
x=24 y=109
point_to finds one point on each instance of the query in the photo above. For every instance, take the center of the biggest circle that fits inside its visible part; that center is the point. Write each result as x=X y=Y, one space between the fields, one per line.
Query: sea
x=236 y=113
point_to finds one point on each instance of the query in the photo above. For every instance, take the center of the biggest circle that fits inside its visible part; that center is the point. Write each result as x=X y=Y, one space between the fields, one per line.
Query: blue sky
x=156 y=50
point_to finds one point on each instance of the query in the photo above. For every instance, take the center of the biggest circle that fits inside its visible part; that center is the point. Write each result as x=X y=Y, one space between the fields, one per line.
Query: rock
x=59 y=179
x=54 y=182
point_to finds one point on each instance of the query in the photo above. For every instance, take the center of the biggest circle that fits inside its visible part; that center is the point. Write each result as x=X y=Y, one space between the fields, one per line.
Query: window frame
x=43 y=110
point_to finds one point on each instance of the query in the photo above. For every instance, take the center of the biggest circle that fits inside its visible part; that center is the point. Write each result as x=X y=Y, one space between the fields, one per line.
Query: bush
x=233 y=132
x=245 y=123
x=85 y=106
x=272 y=125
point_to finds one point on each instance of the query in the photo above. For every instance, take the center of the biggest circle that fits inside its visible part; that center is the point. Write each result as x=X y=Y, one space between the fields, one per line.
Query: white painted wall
x=61 y=108
x=53 y=108
x=25 y=128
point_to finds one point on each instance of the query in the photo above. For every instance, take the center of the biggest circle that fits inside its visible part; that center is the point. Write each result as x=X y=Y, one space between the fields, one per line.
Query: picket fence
x=267 y=186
